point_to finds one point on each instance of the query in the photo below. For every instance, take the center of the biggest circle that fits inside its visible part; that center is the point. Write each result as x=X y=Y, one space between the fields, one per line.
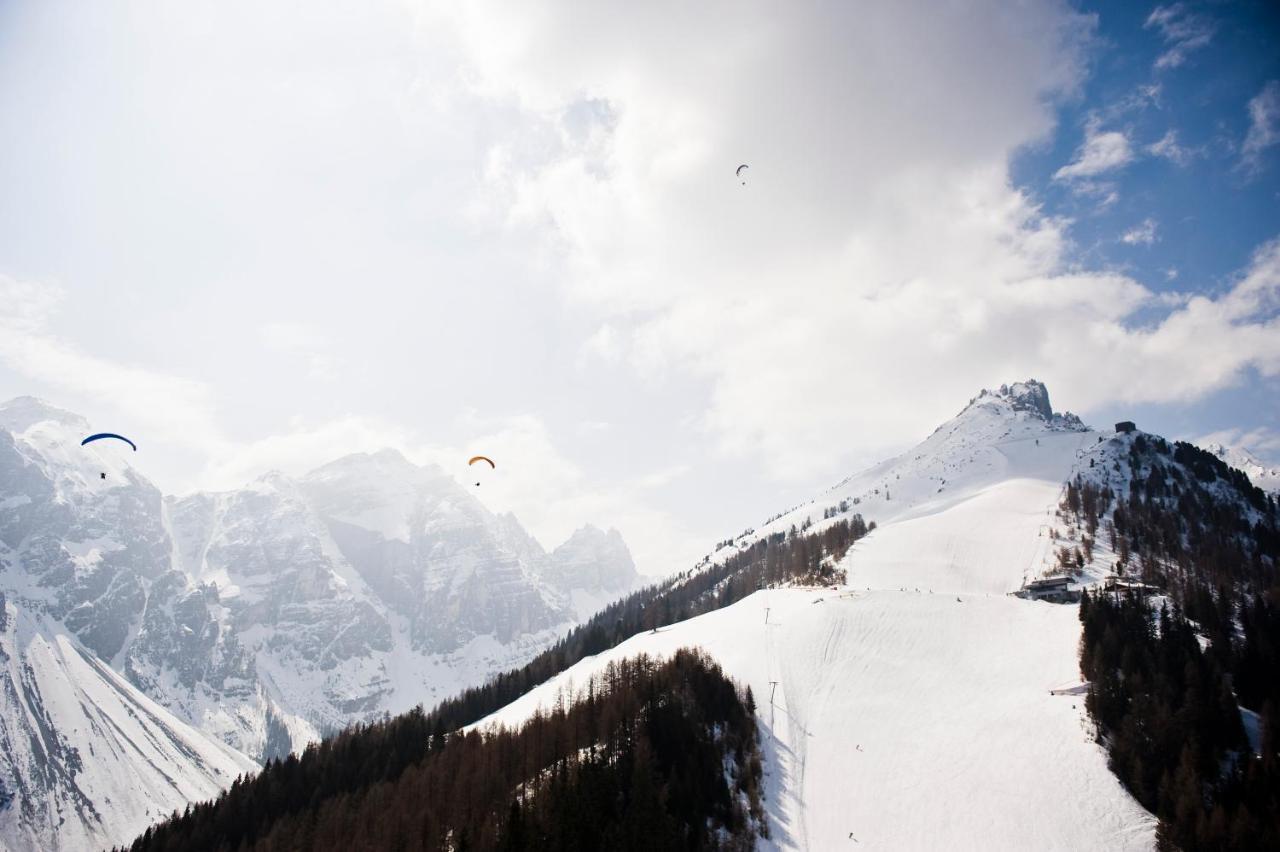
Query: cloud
x=540 y=482
x=1143 y=233
x=1264 y=125
x=1263 y=442
x=177 y=408
x=1102 y=151
x=877 y=269
x=1182 y=30
x=604 y=345
x=542 y=485
x=302 y=448
x=1167 y=146
x=1103 y=192
x=305 y=342
x=875 y=261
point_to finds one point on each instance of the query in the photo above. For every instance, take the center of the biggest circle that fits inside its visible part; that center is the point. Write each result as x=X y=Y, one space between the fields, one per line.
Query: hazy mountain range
x=198 y=632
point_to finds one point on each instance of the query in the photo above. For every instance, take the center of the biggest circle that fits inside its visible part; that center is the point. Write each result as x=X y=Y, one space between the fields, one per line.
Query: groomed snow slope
x=987 y=544
x=911 y=720
x=923 y=720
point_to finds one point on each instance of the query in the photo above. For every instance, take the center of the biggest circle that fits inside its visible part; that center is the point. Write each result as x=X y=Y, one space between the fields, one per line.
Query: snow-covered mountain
x=1265 y=476
x=913 y=707
x=87 y=760
x=592 y=567
x=1006 y=449
x=261 y=617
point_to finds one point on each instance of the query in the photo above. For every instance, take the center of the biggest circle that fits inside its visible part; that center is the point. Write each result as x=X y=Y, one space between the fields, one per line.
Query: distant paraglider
x=739 y=172
x=486 y=459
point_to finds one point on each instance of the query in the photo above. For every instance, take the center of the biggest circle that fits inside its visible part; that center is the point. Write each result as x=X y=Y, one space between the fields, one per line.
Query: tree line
x=647 y=756
x=783 y=557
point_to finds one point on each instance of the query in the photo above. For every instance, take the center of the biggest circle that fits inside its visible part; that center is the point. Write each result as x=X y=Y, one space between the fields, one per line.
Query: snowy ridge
x=913 y=707
x=1002 y=435
x=1265 y=476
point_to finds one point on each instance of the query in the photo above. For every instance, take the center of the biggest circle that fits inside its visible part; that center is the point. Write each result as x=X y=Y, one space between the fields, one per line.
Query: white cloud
x=1264 y=124
x=874 y=262
x=1182 y=30
x=421 y=176
x=178 y=408
x=303 y=447
x=1102 y=151
x=25 y=306
x=290 y=336
x=1167 y=146
x=1263 y=441
x=1143 y=234
x=305 y=342
x=540 y=483
x=1103 y=192
x=605 y=345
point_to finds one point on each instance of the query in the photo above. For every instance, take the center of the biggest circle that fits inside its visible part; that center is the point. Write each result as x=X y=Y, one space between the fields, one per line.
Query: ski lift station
x=1052 y=589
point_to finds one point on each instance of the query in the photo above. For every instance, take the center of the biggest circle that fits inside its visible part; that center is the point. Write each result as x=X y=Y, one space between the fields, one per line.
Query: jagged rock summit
x=1032 y=397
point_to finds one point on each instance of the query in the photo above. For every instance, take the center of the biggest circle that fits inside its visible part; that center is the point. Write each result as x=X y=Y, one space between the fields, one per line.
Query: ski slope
x=912 y=721
x=911 y=709
x=987 y=544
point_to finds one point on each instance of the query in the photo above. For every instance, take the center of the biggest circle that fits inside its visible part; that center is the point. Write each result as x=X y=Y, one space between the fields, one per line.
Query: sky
x=259 y=236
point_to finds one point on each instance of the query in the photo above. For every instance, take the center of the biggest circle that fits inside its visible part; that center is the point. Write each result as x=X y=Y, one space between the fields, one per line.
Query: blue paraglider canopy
x=101 y=435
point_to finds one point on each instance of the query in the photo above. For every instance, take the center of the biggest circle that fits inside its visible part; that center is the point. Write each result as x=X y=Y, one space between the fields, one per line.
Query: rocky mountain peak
x=1032 y=397
x=592 y=559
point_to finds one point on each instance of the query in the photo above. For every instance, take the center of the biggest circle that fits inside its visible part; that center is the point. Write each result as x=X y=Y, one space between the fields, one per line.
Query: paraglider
x=475 y=459
x=99 y=436
x=739 y=172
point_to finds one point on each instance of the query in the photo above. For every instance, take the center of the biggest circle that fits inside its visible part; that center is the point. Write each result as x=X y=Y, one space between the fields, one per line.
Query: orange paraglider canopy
x=475 y=459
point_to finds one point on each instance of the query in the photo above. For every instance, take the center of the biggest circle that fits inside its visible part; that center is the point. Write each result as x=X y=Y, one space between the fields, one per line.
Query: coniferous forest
x=1167 y=683
x=647 y=756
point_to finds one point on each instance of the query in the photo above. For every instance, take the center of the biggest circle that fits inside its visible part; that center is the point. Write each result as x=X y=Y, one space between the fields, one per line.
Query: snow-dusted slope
x=86 y=760
x=923 y=719
x=1003 y=436
x=1265 y=476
